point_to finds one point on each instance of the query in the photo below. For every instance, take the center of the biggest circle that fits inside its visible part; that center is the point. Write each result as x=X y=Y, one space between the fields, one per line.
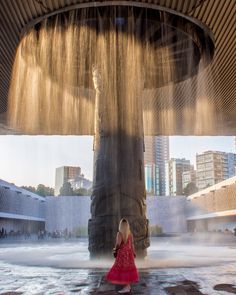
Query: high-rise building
x=189 y=176
x=80 y=182
x=64 y=174
x=152 y=179
x=155 y=156
x=213 y=167
x=174 y=175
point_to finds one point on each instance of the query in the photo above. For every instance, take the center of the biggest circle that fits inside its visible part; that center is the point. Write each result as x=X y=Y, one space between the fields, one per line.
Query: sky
x=31 y=160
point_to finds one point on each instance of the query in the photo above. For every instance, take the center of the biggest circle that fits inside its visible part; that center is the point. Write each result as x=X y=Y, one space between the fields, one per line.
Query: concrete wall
x=167 y=212
x=216 y=200
x=20 y=211
x=73 y=212
x=69 y=212
x=204 y=206
x=20 y=204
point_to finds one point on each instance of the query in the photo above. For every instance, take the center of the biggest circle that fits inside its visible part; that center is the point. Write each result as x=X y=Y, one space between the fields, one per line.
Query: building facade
x=214 y=167
x=80 y=182
x=24 y=212
x=64 y=174
x=155 y=156
x=174 y=175
x=72 y=213
x=213 y=208
x=152 y=179
x=21 y=211
x=189 y=176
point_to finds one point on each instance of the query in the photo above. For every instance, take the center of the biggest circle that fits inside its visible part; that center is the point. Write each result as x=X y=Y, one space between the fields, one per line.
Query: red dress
x=124 y=271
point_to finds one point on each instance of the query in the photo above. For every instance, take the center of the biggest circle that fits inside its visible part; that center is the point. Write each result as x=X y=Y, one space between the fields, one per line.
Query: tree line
x=66 y=190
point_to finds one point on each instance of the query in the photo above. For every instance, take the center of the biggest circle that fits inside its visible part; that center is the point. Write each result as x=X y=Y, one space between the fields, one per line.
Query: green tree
x=29 y=188
x=43 y=190
x=190 y=189
x=82 y=192
x=66 y=190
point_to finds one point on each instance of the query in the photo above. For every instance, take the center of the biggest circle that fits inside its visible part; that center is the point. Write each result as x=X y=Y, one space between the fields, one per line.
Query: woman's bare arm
x=118 y=240
x=132 y=239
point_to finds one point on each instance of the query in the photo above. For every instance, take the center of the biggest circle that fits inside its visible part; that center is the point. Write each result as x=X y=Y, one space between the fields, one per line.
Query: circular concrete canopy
x=179 y=115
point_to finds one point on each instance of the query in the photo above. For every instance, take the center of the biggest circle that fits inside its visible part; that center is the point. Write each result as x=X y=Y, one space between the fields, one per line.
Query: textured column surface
x=119 y=188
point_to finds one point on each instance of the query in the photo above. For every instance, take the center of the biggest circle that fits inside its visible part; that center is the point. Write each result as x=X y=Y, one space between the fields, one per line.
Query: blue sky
x=30 y=160
x=188 y=146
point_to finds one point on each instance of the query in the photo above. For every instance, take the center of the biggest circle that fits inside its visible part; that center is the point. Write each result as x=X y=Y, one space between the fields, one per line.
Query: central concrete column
x=119 y=188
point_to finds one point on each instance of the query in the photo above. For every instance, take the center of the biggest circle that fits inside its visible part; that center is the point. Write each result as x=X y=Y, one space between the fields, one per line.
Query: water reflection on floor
x=65 y=268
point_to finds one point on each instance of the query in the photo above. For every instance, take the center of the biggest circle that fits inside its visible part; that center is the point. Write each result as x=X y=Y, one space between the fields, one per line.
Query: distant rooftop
x=13 y=187
x=218 y=152
x=212 y=188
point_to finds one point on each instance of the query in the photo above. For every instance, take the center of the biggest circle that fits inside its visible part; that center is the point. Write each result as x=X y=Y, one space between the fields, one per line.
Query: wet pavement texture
x=170 y=269
x=16 y=280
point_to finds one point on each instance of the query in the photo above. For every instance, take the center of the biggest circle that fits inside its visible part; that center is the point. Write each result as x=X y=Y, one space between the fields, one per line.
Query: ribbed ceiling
x=218 y=15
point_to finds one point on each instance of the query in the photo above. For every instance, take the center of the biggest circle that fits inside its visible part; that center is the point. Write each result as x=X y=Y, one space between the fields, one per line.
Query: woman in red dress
x=124 y=271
